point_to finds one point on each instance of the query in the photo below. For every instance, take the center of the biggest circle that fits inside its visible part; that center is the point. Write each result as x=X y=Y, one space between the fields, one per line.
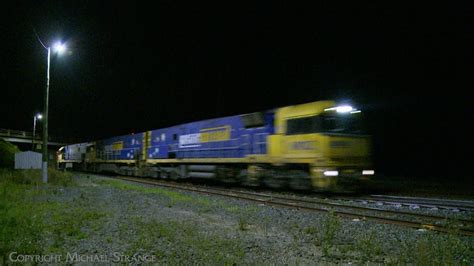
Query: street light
x=58 y=48
x=37 y=116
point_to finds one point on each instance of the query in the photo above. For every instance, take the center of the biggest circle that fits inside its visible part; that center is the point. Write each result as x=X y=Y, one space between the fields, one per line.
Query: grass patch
x=68 y=224
x=181 y=242
x=20 y=230
x=34 y=178
x=30 y=216
x=173 y=196
x=431 y=249
x=119 y=184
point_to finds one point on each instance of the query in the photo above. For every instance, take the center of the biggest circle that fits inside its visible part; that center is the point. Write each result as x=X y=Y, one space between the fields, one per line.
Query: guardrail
x=29 y=135
x=15 y=133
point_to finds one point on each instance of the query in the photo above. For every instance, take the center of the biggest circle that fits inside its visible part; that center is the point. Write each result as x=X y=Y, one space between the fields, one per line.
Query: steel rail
x=465 y=202
x=467 y=205
x=424 y=202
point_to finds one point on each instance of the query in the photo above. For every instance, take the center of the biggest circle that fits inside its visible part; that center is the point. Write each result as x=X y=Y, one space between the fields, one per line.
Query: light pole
x=59 y=48
x=37 y=116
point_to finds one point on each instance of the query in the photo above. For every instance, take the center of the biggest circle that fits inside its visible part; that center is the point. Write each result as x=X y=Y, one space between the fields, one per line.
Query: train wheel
x=300 y=180
x=276 y=179
x=248 y=180
x=174 y=175
x=227 y=175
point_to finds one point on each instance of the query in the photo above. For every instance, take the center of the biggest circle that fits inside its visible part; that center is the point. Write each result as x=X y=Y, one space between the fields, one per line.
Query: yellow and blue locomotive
x=310 y=145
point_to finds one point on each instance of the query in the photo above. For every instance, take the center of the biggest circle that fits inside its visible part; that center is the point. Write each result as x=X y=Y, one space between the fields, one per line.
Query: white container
x=28 y=160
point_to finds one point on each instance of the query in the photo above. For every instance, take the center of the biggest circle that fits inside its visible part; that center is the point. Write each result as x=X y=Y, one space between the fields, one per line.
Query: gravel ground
x=142 y=223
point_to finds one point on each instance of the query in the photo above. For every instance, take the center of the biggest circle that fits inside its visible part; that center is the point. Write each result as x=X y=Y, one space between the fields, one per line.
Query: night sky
x=135 y=67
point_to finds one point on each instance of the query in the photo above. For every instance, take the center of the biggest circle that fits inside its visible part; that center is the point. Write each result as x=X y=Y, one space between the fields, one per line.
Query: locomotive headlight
x=331 y=173
x=368 y=172
x=344 y=109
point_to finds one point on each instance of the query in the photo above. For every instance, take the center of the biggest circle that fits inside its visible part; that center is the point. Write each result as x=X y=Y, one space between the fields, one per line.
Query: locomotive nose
x=349 y=150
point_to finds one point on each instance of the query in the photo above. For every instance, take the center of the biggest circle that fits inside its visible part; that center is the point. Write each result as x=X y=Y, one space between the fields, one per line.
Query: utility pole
x=58 y=48
x=45 y=123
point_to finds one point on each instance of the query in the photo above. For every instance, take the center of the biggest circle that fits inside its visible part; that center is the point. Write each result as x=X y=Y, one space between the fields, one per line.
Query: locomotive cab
x=326 y=139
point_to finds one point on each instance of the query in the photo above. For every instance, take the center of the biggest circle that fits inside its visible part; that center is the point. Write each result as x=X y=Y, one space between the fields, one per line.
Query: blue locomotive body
x=227 y=137
x=127 y=147
x=75 y=152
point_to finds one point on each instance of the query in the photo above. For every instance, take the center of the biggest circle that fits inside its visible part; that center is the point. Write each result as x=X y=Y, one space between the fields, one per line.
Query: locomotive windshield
x=327 y=123
x=342 y=123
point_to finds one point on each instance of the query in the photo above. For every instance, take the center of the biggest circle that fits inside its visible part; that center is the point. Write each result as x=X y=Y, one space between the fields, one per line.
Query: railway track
x=416 y=202
x=408 y=219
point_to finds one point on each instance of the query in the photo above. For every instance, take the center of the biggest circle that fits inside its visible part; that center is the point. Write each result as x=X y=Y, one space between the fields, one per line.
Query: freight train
x=314 y=145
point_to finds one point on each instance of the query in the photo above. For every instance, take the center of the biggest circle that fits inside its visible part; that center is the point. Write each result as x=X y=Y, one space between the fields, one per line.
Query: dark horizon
x=133 y=68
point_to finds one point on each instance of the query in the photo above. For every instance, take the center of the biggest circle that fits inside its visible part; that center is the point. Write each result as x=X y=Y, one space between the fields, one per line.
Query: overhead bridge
x=18 y=136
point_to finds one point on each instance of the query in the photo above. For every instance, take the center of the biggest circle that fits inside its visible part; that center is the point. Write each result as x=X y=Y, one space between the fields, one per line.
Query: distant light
x=39 y=116
x=368 y=172
x=59 y=47
x=331 y=173
x=341 y=109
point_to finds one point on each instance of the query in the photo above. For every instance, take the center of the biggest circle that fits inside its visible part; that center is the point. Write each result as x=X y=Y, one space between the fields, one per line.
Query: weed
x=368 y=246
x=330 y=227
x=243 y=224
x=266 y=225
x=311 y=230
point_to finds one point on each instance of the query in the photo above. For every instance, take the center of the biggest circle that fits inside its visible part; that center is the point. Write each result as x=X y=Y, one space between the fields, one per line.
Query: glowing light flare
x=39 y=116
x=331 y=173
x=342 y=109
x=368 y=172
x=59 y=47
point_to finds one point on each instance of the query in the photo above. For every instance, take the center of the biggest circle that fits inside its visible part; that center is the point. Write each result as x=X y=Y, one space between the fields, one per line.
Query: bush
x=7 y=154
